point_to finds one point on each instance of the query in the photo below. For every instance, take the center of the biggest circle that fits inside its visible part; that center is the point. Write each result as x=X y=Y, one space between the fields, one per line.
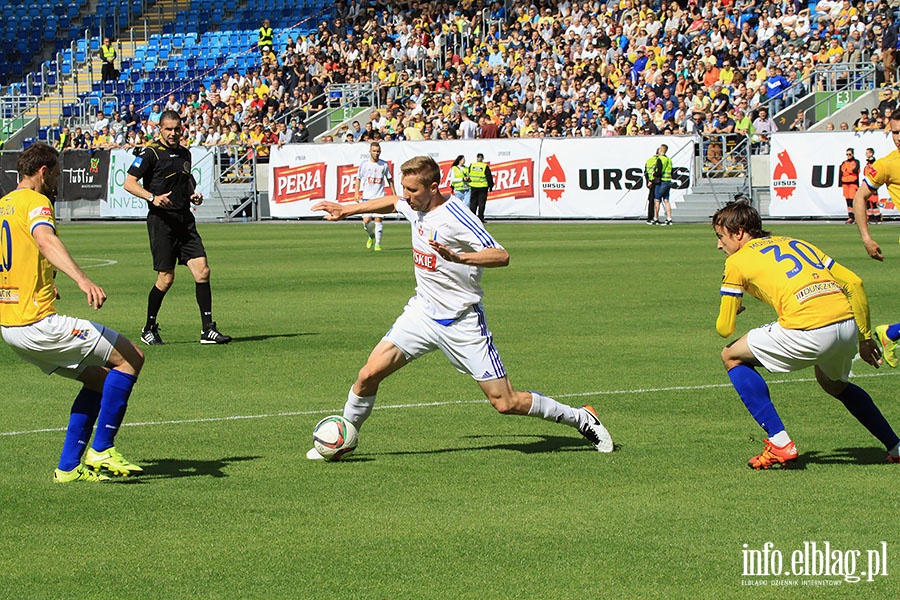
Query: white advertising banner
x=591 y=178
x=300 y=175
x=604 y=177
x=805 y=171
x=121 y=204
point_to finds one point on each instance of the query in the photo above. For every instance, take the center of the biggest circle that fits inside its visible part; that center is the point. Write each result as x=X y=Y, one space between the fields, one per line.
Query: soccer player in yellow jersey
x=106 y=363
x=884 y=171
x=823 y=315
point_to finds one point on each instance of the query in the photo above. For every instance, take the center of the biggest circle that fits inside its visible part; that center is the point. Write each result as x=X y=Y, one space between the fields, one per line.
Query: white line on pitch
x=675 y=388
x=95 y=262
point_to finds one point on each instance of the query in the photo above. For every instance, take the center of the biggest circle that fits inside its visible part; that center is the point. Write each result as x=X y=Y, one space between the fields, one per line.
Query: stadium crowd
x=554 y=69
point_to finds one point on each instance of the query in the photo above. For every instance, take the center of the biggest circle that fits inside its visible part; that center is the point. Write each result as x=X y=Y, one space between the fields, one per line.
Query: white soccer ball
x=334 y=437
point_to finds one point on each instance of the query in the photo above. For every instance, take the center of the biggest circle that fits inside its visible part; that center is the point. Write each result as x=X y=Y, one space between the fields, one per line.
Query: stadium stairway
x=49 y=109
x=707 y=196
x=69 y=88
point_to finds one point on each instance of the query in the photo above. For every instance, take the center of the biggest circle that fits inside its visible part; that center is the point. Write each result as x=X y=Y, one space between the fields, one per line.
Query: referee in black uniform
x=164 y=165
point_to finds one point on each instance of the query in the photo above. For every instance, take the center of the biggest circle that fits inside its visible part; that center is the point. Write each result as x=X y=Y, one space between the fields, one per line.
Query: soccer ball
x=334 y=437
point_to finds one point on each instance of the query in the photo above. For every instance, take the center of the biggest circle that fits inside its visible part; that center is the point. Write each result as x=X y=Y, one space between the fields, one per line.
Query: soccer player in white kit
x=373 y=179
x=450 y=250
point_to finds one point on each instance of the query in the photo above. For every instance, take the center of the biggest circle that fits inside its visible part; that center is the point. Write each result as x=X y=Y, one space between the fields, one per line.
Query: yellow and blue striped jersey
x=806 y=287
x=26 y=276
x=885 y=171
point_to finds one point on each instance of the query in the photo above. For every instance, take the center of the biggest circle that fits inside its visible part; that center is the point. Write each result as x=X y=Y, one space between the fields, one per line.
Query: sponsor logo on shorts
x=81 y=334
x=424 y=261
x=820 y=288
x=9 y=295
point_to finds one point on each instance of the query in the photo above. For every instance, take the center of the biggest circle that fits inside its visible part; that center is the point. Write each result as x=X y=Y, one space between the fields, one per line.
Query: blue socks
x=81 y=425
x=754 y=392
x=893 y=331
x=116 y=391
x=861 y=406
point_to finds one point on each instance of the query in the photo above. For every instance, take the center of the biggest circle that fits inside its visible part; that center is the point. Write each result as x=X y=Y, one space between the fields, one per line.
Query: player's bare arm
x=133 y=187
x=337 y=211
x=56 y=252
x=489 y=257
x=859 y=212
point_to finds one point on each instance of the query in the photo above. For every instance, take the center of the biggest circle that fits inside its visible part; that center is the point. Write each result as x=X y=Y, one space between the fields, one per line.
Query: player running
x=107 y=364
x=373 y=180
x=819 y=324
x=451 y=248
x=884 y=171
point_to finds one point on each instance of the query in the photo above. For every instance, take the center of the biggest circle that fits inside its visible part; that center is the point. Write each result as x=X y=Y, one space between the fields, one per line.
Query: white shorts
x=62 y=345
x=466 y=342
x=831 y=348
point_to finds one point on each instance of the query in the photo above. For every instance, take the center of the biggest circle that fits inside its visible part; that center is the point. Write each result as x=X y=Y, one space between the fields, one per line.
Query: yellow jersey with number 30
x=26 y=277
x=796 y=279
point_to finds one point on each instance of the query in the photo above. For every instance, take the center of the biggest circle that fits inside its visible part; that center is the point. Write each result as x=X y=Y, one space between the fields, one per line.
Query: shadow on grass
x=259 y=338
x=535 y=445
x=842 y=456
x=249 y=338
x=170 y=468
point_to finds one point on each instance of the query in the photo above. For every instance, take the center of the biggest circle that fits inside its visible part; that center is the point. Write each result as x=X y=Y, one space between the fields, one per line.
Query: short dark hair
x=36 y=156
x=740 y=215
x=169 y=115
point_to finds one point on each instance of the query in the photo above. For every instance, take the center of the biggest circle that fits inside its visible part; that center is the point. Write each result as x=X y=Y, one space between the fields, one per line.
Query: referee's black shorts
x=173 y=239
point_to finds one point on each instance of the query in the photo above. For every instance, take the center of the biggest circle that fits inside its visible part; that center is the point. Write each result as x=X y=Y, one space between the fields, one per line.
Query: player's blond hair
x=422 y=167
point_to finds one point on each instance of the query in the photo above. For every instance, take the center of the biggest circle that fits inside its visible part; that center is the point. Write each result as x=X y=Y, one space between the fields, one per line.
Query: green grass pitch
x=444 y=498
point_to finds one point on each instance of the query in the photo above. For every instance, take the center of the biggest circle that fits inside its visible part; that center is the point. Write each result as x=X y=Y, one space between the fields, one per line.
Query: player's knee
x=201 y=274
x=830 y=386
x=164 y=281
x=128 y=358
x=137 y=360
x=369 y=376
x=503 y=405
x=507 y=402
x=728 y=360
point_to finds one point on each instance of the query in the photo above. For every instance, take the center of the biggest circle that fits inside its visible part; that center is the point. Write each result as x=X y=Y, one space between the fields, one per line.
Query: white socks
x=550 y=410
x=379 y=228
x=357 y=409
x=780 y=439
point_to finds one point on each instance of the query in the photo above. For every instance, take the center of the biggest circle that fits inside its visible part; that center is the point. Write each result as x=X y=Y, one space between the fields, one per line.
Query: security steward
x=108 y=56
x=265 y=38
x=164 y=165
x=481 y=181
x=653 y=175
x=459 y=179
